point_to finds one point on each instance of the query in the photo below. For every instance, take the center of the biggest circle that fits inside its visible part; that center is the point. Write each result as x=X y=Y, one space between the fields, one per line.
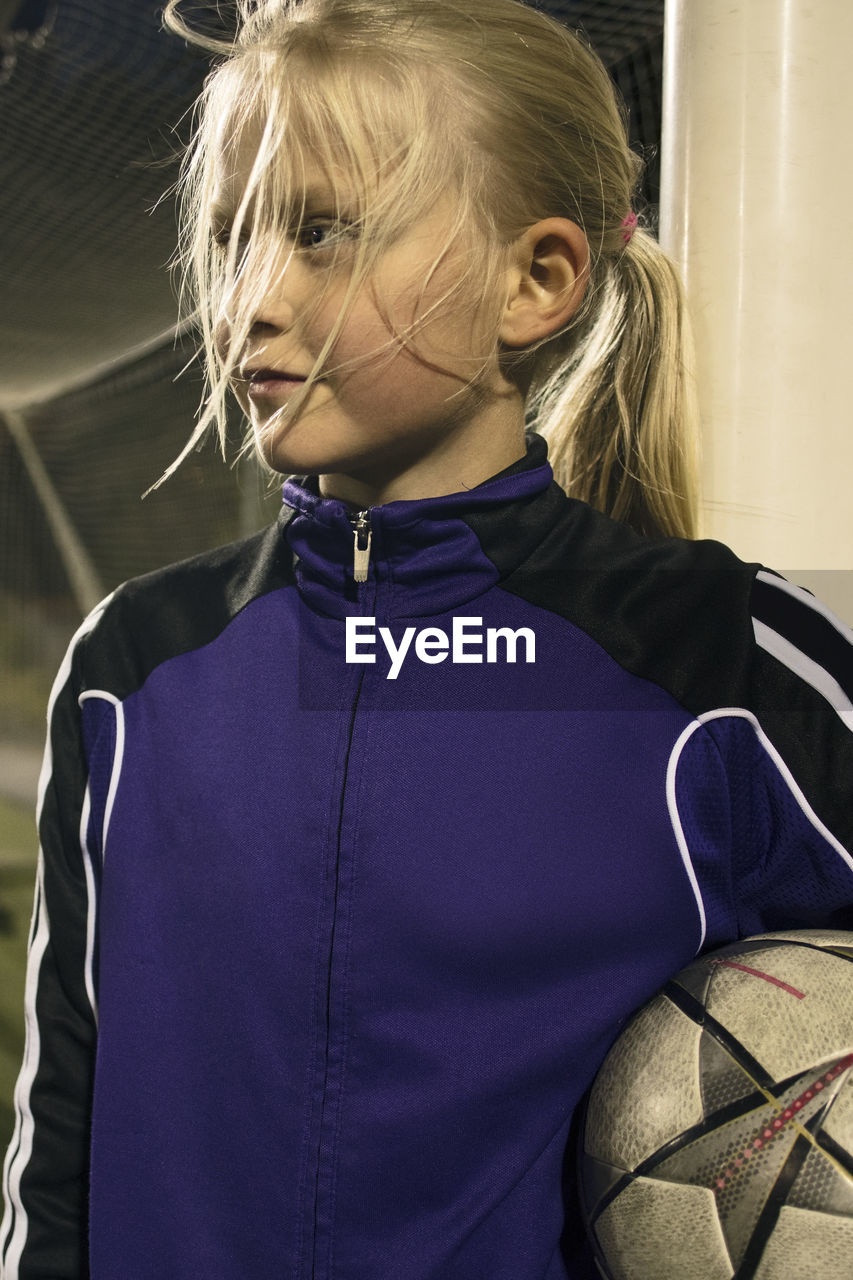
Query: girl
x=361 y=838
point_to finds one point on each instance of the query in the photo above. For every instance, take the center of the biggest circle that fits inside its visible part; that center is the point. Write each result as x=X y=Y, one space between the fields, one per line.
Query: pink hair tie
x=629 y=222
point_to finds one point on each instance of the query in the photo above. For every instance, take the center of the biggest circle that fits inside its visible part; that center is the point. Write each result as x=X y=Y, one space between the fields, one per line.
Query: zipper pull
x=361 y=554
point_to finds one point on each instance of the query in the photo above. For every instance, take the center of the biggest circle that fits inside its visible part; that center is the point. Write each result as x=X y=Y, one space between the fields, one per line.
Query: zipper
x=361 y=526
x=361 y=536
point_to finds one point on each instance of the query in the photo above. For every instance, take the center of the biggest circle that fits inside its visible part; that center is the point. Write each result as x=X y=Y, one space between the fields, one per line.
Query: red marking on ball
x=768 y=977
x=778 y=1123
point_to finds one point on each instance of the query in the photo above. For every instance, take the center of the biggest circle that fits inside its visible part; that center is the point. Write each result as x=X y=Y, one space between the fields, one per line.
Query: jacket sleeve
x=45 y=1176
x=789 y=758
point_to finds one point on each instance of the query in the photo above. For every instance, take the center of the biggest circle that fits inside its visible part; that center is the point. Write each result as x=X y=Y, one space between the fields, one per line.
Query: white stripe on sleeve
x=806 y=668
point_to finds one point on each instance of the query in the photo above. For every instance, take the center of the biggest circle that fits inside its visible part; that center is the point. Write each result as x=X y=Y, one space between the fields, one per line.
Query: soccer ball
x=718 y=1136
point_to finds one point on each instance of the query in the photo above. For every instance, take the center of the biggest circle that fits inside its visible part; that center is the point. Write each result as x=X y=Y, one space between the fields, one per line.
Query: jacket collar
x=425 y=556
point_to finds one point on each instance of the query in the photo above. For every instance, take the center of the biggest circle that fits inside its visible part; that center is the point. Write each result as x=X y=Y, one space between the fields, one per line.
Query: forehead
x=288 y=171
x=286 y=126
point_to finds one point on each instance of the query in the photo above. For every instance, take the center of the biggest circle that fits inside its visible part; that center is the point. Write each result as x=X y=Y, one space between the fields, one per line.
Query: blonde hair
x=517 y=117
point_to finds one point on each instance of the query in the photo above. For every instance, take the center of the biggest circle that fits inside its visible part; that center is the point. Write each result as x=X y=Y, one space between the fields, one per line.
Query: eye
x=222 y=240
x=323 y=233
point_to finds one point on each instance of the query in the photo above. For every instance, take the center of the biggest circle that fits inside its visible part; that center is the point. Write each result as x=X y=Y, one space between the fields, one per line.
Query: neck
x=461 y=460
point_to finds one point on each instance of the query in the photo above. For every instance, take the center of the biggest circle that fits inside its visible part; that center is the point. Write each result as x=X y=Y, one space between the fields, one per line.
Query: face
x=381 y=405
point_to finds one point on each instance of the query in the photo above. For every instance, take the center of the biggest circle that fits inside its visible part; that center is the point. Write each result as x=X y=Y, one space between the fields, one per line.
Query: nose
x=264 y=327
x=256 y=308
x=267 y=298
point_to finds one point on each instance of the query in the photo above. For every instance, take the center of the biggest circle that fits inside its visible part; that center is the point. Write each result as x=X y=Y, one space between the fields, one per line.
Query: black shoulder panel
x=181 y=607
x=668 y=610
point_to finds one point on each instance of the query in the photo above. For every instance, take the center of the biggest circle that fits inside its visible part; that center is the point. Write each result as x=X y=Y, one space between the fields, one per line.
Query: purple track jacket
x=347 y=887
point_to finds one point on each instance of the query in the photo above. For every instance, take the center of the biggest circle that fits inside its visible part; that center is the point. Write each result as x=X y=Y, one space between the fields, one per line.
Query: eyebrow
x=222 y=215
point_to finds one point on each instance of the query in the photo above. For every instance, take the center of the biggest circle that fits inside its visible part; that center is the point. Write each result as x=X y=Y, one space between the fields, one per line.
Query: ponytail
x=618 y=409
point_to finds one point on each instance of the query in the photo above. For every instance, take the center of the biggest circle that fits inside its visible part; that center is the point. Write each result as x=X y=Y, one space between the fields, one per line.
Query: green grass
x=18 y=849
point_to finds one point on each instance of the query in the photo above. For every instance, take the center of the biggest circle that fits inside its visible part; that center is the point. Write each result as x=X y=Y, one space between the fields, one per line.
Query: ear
x=547 y=281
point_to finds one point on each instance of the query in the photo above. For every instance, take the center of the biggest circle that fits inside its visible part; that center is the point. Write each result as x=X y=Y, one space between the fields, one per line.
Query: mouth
x=265 y=382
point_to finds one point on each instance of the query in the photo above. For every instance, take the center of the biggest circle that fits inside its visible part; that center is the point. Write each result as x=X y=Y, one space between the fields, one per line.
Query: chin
x=307 y=449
